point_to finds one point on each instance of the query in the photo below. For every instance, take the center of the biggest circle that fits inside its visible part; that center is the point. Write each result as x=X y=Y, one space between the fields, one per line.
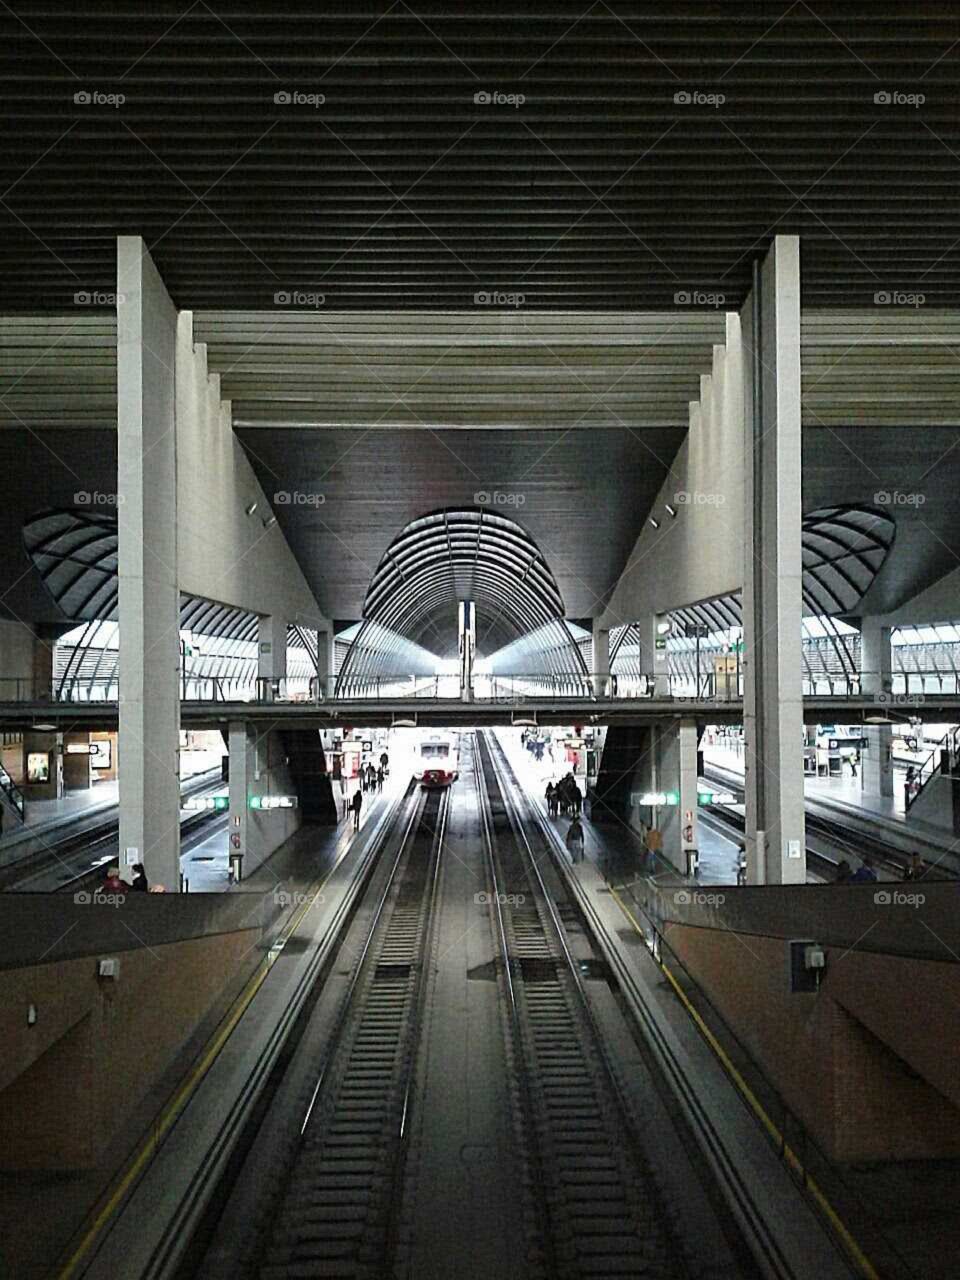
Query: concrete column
x=600 y=660
x=271 y=653
x=149 y=604
x=242 y=766
x=876 y=665
x=689 y=741
x=773 y=568
x=658 y=647
x=325 y=651
x=258 y=767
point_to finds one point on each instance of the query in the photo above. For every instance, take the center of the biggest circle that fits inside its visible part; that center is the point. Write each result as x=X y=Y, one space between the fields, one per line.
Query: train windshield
x=435 y=750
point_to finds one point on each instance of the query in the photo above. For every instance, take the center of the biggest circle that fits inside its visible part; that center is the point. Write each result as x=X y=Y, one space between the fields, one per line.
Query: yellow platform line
x=175 y=1106
x=790 y=1156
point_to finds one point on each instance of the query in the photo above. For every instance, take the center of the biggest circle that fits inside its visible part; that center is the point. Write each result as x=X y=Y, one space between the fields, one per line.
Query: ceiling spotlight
x=655 y=523
x=252 y=507
x=670 y=510
x=270 y=522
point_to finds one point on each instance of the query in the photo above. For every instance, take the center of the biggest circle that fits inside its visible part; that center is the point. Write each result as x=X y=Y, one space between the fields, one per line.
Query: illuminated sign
x=654 y=797
x=273 y=802
x=716 y=797
x=218 y=803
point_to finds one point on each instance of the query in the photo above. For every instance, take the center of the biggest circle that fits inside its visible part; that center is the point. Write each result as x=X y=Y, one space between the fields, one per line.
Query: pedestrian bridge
x=436 y=700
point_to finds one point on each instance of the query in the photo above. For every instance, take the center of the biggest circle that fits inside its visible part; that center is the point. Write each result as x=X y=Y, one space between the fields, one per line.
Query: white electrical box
x=108 y=968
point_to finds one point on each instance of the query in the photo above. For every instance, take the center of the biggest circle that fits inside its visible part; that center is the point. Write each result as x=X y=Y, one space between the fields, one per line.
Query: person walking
x=576 y=798
x=356 y=804
x=575 y=840
x=550 y=795
x=380 y=778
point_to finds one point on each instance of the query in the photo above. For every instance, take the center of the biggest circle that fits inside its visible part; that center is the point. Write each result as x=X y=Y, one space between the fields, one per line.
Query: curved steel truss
x=843 y=547
x=75 y=553
x=448 y=556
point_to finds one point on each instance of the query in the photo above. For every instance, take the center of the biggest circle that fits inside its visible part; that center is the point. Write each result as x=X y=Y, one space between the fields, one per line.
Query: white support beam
x=149 y=604
x=773 y=569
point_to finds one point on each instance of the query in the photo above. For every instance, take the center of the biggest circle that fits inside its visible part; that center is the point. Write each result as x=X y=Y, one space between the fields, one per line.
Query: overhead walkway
x=429 y=707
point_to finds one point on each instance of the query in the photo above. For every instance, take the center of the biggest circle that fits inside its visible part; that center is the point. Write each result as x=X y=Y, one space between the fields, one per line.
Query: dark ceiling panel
x=620 y=181
x=581 y=495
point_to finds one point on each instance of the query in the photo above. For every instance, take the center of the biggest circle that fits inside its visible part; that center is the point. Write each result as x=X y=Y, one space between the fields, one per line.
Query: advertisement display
x=38 y=766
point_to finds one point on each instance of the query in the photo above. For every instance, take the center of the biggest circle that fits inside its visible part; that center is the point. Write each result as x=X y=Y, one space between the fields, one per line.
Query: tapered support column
x=773 y=568
x=149 y=600
x=876 y=665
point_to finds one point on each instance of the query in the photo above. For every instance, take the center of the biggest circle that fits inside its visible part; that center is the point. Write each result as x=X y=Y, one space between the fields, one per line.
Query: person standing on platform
x=550 y=795
x=575 y=840
x=380 y=778
x=356 y=805
x=140 y=883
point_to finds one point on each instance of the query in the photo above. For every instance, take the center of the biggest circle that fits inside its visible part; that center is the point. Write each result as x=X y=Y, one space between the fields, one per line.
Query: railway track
x=56 y=868
x=597 y=1204
x=335 y=1215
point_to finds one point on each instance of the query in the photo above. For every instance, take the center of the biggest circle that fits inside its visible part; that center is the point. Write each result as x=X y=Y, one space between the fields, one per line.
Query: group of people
x=113 y=882
x=864 y=874
x=564 y=798
x=371 y=776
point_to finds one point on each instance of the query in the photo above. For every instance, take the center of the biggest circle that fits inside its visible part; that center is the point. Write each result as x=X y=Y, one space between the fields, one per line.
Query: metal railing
x=905 y=690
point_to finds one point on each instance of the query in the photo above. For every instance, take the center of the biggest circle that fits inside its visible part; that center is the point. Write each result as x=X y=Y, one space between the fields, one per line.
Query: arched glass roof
x=449 y=556
x=453 y=555
x=75 y=553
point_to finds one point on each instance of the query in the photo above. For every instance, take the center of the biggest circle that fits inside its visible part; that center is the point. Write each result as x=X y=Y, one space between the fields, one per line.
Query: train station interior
x=480 y=640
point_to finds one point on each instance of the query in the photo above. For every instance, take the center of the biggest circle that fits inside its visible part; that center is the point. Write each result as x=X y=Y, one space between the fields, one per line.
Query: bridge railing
x=903 y=691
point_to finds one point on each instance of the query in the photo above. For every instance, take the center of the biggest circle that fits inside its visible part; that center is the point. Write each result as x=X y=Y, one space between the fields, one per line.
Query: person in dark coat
x=356 y=804
x=140 y=884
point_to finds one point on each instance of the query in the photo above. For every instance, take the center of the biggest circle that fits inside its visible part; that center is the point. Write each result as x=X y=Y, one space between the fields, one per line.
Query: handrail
x=13 y=794
x=933 y=764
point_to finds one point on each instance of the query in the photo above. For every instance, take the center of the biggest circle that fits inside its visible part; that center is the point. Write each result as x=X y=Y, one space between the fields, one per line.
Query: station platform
x=610 y=843
x=844 y=799
x=42 y=817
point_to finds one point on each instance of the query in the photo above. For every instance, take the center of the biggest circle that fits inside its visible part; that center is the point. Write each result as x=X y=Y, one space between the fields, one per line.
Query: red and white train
x=438 y=760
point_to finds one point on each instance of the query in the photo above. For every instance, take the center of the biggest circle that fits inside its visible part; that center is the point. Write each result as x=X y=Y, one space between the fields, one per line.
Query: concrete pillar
x=271 y=655
x=773 y=569
x=149 y=603
x=242 y=766
x=689 y=741
x=258 y=767
x=658 y=647
x=876 y=666
x=600 y=660
x=325 y=659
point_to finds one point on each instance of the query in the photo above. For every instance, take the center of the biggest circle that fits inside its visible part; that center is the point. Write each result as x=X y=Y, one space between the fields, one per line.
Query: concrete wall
x=698 y=553
x=70 y=1081
x=862 y=1061
x=26 y=656
x=223 y=554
